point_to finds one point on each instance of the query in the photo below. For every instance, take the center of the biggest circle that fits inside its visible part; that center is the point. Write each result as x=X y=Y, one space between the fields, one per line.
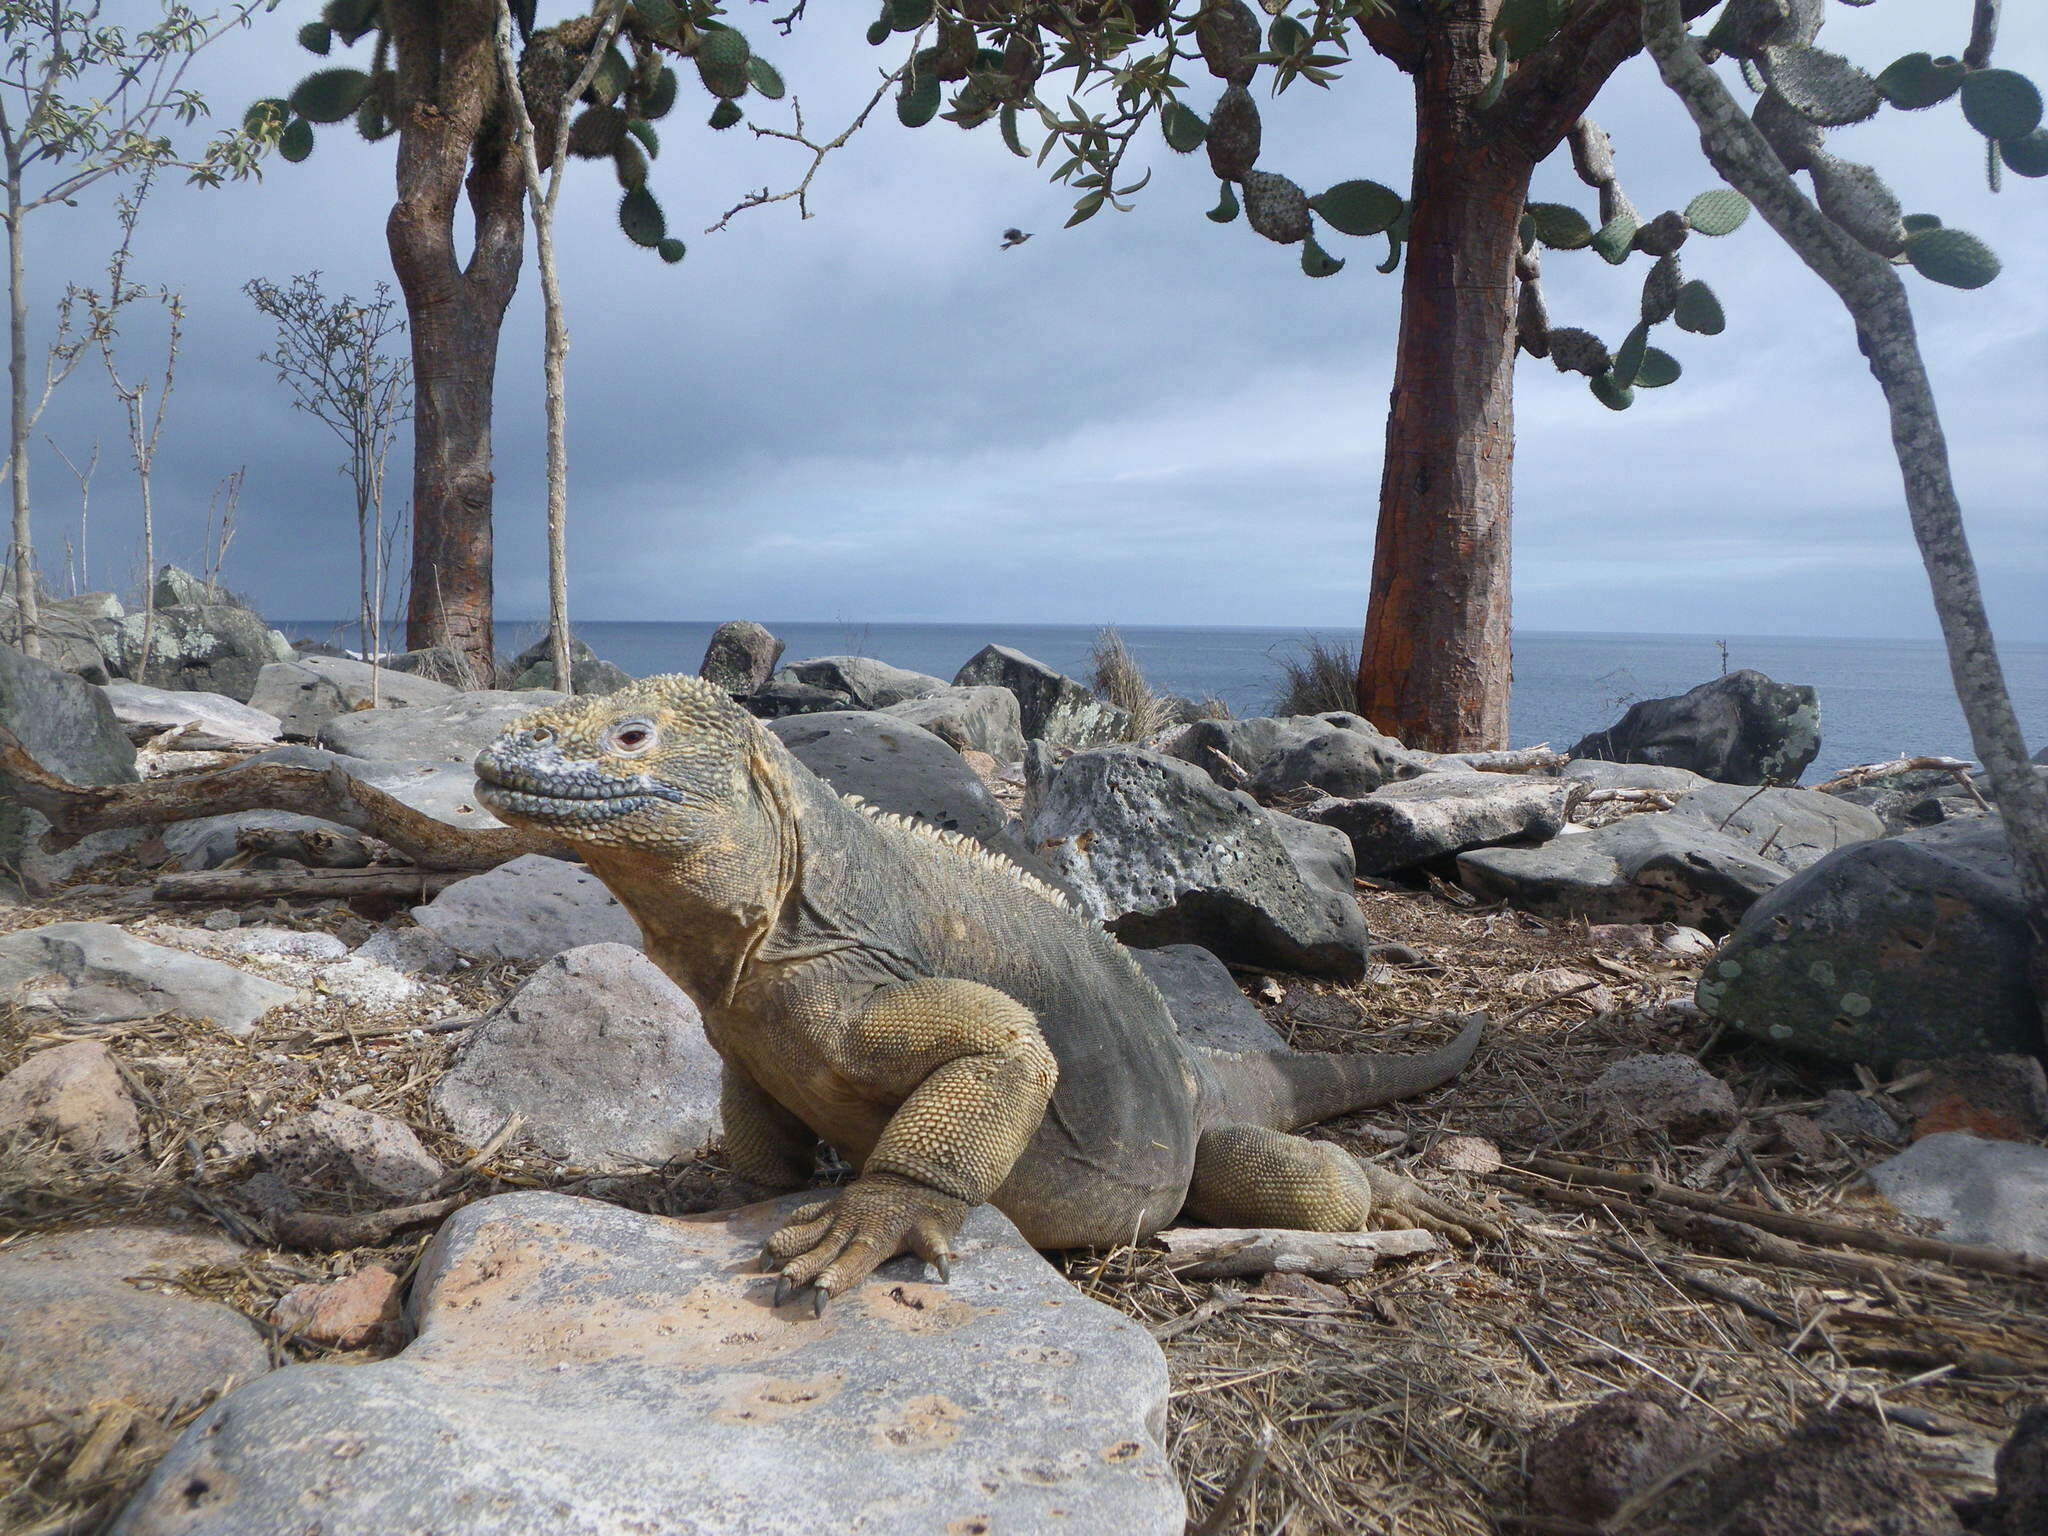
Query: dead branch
x=75 y=810
x=1864 y=773
x=1521 y=760
x=331 y=1234
x=1218 y=1253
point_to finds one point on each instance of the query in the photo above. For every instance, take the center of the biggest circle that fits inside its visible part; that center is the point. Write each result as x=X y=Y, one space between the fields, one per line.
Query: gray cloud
x=876 y=414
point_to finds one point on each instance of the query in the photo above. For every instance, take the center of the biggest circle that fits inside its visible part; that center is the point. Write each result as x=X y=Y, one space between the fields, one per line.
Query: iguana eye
x=632 y=737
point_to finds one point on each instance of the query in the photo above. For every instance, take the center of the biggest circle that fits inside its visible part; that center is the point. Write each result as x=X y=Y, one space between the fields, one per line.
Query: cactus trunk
x=1434 y=669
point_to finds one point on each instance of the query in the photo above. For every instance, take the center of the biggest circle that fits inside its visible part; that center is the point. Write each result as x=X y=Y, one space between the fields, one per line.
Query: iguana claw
x=821 y=1297
x=783 y=1287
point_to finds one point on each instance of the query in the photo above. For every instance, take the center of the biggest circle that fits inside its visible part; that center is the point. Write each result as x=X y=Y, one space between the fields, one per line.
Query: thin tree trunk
x=27 y=611
x=1870 y=289
x=1435 y=666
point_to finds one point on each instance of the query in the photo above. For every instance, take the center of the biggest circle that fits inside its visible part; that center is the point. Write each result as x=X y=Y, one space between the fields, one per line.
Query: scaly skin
x=954 y=1028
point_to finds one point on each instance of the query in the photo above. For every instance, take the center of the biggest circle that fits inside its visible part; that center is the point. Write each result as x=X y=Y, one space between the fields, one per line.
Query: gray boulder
x=453 y=730
x=1347 y=763
x=1598 y=773
x=72 y=1096
x=1793 y=827
x=1207 y=1005
x=969 y=720
x=604 y=1056
x=210 y=645
x=79 y=1330
x=870 y=684
x=1052 y=706
x=210 y=721
x=530 y=909
x=899 y=767
x=1321 y=855
x=441 y=663
x=1253 y=744
x=567 y=1349
x=779 y=698
x=68 y=726
x=339 y=1148
x=1162 y=855
x=741 y=656
x=534 y=669
x=305 y=694
x=76 y=632
x=1975 y=1191
x=1414 y=821
x=94 y=973
x=1653 y=868
x=1738 y=729
x=1914 y=945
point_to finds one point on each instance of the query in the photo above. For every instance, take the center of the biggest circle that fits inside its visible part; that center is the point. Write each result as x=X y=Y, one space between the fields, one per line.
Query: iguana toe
x=1398 y=1201
x=870 y=1221
x=821 y=1296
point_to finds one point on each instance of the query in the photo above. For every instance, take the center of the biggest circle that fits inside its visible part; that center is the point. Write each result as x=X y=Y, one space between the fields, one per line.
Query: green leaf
x=1718 y=211
x=1919 y=80
x=765 y=78
x=1085 y=209
x=1226 y=206
x=329 y=95
x=1317 y=262
x=1183 y=127
x=2001 y=103
x=640 y=216
x=918 y=102
x=296 y=142
x=265 y=118
x=1358 y=207
x=1699 y=311
x=1561 y=226
x=1008 y=119
x=1611 y=392
x=2026 y=156
x=316 y=37
x=1658 y=369
x=1954 y=257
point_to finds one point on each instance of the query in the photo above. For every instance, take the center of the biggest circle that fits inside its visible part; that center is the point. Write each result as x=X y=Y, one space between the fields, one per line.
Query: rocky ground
x=1737 y=1288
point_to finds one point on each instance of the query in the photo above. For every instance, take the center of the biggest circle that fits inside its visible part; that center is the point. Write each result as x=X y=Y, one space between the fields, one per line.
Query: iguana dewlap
x=954 y=1028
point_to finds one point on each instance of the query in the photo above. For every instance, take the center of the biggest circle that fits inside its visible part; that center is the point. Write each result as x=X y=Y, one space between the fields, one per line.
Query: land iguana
x=956 y=1029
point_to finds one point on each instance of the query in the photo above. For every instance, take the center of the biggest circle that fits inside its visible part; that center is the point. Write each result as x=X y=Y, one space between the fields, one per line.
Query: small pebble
x=220 y=920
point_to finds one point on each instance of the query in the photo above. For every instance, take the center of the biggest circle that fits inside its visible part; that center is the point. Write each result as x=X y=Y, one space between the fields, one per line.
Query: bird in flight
x=1012 y=238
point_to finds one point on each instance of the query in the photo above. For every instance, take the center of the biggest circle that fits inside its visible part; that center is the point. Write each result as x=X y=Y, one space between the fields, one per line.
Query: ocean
x=1878 y=698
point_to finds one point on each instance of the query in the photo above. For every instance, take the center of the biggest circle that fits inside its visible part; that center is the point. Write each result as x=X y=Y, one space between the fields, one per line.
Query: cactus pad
x=661 y=95
x=1951 y=256
x=918 y=102
x=1183 y=127
x=1856 y=198
x=1228 y=35
x=1698 y=310
x=1317 y=262
x=640 y=216
x=1658 y=369
x=1919 y=81
x=2001 y=104
x=724 y=115
x=316 y=37
x=1661 y=289
x=1226 y=206
x=329 y=95
x=1664 y=234
x=1616 y=237
x=1358 y=207
x=1275 y=207
x=643 y=130
x=722 y=62
x=1717 y=211
x=1822 y=87
x=1234 y=134
x=296 y=142
x=2026 y=156
x=1611 y=392
x=1575 y=351
x=670 y=249
x=765 y=78
x=596 y=132
x=1628 y=357
x=1560 y=226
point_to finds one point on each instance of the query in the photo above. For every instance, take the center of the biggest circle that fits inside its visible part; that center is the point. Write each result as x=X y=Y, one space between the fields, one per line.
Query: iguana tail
x=1286 y=1090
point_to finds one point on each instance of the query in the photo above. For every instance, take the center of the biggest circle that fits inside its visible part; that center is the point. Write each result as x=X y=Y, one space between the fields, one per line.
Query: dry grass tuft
x=1118 y=679
x=1320 y=677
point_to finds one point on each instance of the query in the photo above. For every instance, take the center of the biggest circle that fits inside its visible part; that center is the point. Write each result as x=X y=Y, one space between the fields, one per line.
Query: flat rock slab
x=1207 y=1006
x=603 y=1055
x=1976 y=1191
x=94 y=973
x=530 y=909
x=79 y=1323
x=1792 y=827
x=452 y=731
x=211 y=721
x=581 y=1369
x=443 y=790
x=1411 y=822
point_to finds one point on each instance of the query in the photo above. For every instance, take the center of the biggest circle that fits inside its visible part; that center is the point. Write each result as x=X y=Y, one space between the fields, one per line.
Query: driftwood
x=75 y=810
x=331 y=1234
x=236 y=885
x=1643 y=1186
x=1520 y=760
x=1217 y=1253
x=1661 y=799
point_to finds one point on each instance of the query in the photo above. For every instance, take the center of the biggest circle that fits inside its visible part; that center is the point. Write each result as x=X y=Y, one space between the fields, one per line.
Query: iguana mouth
x=581 y=795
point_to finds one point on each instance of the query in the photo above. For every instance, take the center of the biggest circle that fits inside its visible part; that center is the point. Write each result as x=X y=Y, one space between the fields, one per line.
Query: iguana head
x=659 y=767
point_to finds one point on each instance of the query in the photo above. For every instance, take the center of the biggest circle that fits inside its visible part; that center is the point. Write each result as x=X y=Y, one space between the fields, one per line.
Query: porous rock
x=1975 y=1191
x=870 y=684
x=2001 y=1098
x=76 y=632
x=779 y=699
x=1915 y=945
x=94 y=973
x=1207 y=1006
x=741 y=656
x=528 y=909
x=1052 y=706
x=1162 y=855
x=412 y=950
x=1347 y=763
x=1792 y=827
x=1598 y=773
x=1595 y=1461
x=211 y=644
x=79 y=1323
x=1642 y=869
x=603 y=1055
x=1408 y=823
x=1837 y=1475
x=566 y=1348
x=1673 y=1093
x=346 y=1313
x=969 y=720
x=67 y=725
x=71 y=1095
x=206 y=721
x=1738 y=729
x=452 y=731
x=305 y=694
x=533 y=670
x=337 y=1147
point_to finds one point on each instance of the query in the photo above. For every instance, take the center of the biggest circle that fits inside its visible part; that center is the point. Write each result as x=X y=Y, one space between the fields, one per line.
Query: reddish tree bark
x=452 y=138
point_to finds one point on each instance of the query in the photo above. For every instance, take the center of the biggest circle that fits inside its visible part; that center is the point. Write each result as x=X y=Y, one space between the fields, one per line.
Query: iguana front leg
x=765 y=1143
x=975 y=1075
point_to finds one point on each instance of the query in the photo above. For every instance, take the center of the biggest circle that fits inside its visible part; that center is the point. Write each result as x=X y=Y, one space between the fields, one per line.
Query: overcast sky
x=876 y=415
